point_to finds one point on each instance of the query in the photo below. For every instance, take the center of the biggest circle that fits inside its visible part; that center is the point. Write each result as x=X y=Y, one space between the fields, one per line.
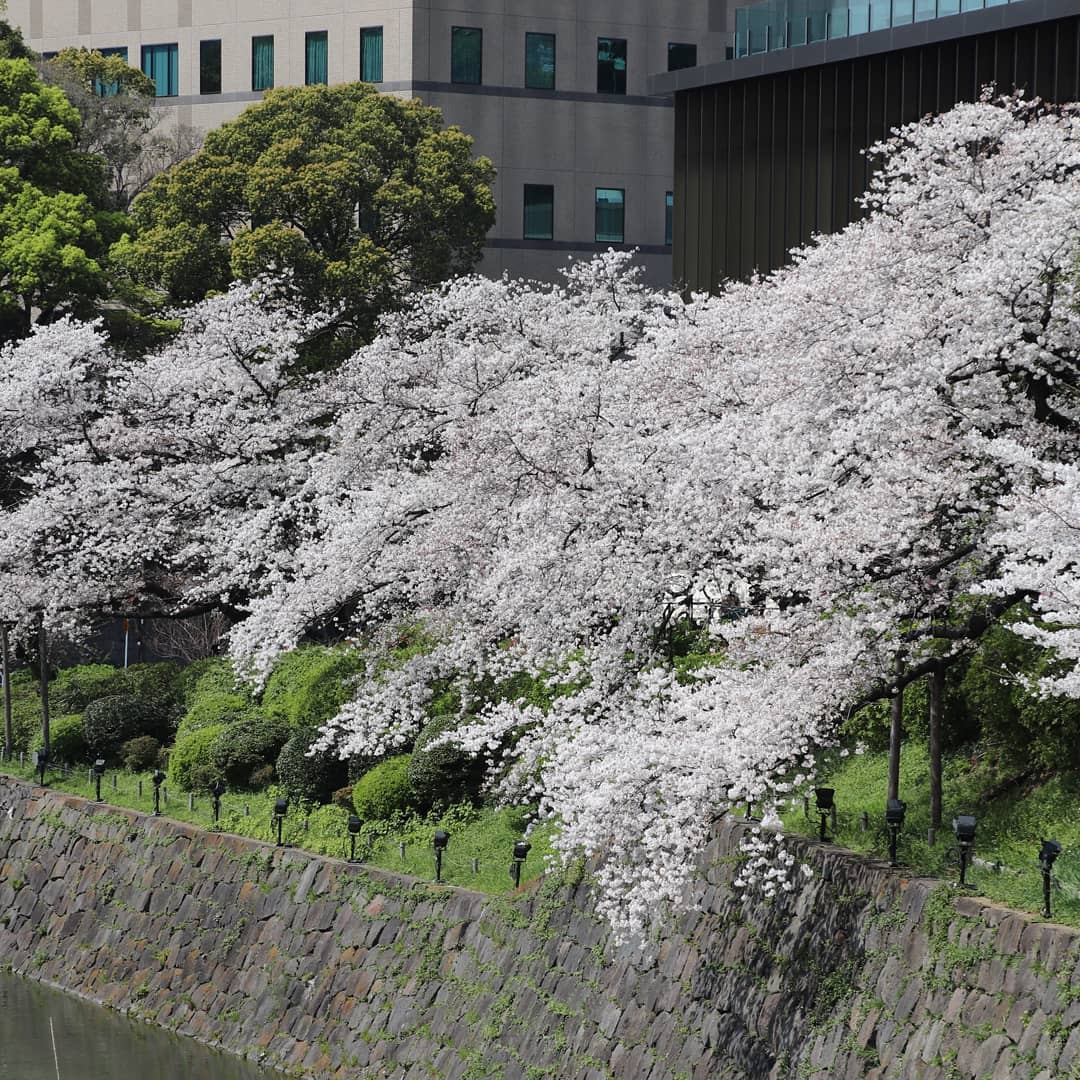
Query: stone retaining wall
x=324 y=970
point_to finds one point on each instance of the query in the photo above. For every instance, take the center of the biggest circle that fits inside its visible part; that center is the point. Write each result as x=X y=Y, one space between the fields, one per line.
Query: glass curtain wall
x=371 y=54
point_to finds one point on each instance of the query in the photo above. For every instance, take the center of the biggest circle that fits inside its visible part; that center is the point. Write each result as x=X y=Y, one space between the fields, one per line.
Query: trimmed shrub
x=191 y=765
x=443 y=774
x=109 y=722
x=309 y=685
x=212 y=675
x=248 y=745
x=75 y=687
x=216 y=707
x=384 y=790
x=67 y=740
x=141 y=753
x=312 y=778
x=158 y=685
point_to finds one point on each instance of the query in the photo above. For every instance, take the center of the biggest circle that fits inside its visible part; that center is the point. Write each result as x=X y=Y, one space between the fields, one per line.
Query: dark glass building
x=769 y=144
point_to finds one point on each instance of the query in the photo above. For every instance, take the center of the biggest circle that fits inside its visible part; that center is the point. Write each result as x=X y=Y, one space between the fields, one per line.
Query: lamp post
x=1051 y=849
x=281 y=808
x=158 y=779
x=442 y=838
x=964 y=830
x=41 y=759
x=894 y=821
x=354 y=828
x=99 y=772
x=825 y=805
x=217 y=789
x=521 y=851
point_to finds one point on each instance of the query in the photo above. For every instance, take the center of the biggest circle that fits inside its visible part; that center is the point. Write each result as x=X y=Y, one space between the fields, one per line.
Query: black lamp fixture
x=521 y=853
x=354 y=828
x=41 y=759
x=442 y=838
x=158 y=779
x=281 y=808
x=217 y=789
x=99 y=772
x=964 y=831
x=825 y=804
x=894 y=822
x=1050 y=850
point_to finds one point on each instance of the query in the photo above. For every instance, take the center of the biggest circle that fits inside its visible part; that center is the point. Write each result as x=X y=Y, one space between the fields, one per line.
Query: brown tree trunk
x=5 y=673
x=896 y=732
x=936 y=699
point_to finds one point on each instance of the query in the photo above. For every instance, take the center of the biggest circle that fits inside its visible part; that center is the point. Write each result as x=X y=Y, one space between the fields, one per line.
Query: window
x=669 y=217
x=539 y=212
x=160 y=63
x=611 y=65
x=371 y=54
x=681 y=56
x=540 y=61
x=466 y=54
x=315 y=73
x=100 y=88
x=262 y=62
x=209 y=67
x=610 y=215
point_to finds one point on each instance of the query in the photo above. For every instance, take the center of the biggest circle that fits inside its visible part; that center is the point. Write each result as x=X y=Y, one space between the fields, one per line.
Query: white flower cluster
x=767 y=867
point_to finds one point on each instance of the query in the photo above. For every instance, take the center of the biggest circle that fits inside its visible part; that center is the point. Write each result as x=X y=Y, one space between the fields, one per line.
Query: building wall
x=764 y=162
x=572 y=137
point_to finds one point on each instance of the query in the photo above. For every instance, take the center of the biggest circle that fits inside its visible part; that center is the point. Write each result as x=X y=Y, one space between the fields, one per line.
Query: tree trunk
x=43 y=659
x=936 y=698
x=896 y=733
x=5 y=673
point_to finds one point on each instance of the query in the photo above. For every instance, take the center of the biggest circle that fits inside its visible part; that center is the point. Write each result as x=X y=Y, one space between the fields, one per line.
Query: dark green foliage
x=216 y=707
x=312 y=778
x=191 y=766
x=75 y=687
x=214 y=674
x=443 y=774
x=309 y=685
x=141 y=753
x=384 y=790
x=247 y=745
x=110 y=721
x=157 y=684
x=67 y=740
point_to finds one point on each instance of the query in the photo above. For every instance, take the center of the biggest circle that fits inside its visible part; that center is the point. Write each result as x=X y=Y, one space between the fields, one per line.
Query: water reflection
x=96 y=1044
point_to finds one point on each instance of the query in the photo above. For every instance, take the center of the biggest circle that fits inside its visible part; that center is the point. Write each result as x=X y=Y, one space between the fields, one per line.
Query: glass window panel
x=371 y=53
x=160 y=63
x=610 y=215
x=669 y=217
x=315 y=73
x=925 y=9
x=681 y=56
x=209 y=67
x=611 y=65
x=100 y=88
x=540 y=61
x=466 y=54
x=539 y=212
x=262 y=62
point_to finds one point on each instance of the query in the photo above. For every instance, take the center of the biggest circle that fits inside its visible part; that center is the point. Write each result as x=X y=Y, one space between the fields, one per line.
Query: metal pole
x=98 y=785
x=892 y=846
x=963 y=866
x=9 y=738
x=438 y=864
x=1046 y=891
x=43 y=669
x=896 y=732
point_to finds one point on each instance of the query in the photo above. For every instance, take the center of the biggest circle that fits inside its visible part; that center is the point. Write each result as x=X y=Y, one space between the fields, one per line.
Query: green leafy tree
x=54 y=227
x=361 y=195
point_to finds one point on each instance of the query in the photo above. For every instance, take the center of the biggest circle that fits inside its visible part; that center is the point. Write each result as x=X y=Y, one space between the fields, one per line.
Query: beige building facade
x=555 y=92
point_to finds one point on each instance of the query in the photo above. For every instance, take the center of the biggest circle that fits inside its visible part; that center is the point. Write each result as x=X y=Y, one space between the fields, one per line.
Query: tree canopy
x=361 y=196
x=872 y=452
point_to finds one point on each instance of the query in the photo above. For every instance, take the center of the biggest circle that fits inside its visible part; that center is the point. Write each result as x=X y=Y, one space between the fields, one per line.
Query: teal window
x=669 y=217
x=611 y=65
x=610 y=215
x=540 y=61
x=466 y=55
x=371 y=54
x=160 y=64
x=539 y=212
x=262 y=62
x=209 y=67
x=681 y=56
x=100 y=88
x=315 y=72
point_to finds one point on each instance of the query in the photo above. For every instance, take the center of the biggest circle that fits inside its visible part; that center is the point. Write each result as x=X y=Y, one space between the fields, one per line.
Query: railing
x=789 y=23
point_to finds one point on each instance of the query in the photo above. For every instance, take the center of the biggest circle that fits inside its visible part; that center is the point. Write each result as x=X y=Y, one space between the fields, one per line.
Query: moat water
x=45 y=1034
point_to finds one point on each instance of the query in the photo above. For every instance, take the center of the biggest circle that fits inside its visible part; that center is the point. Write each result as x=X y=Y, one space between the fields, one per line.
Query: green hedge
x=191 y=763
x=314 y=778
x=216 y=707
x=440 y=775
x=384 y=790
x=111 y=721
x=67 y=740
x=310 y=684
x=245 y=753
